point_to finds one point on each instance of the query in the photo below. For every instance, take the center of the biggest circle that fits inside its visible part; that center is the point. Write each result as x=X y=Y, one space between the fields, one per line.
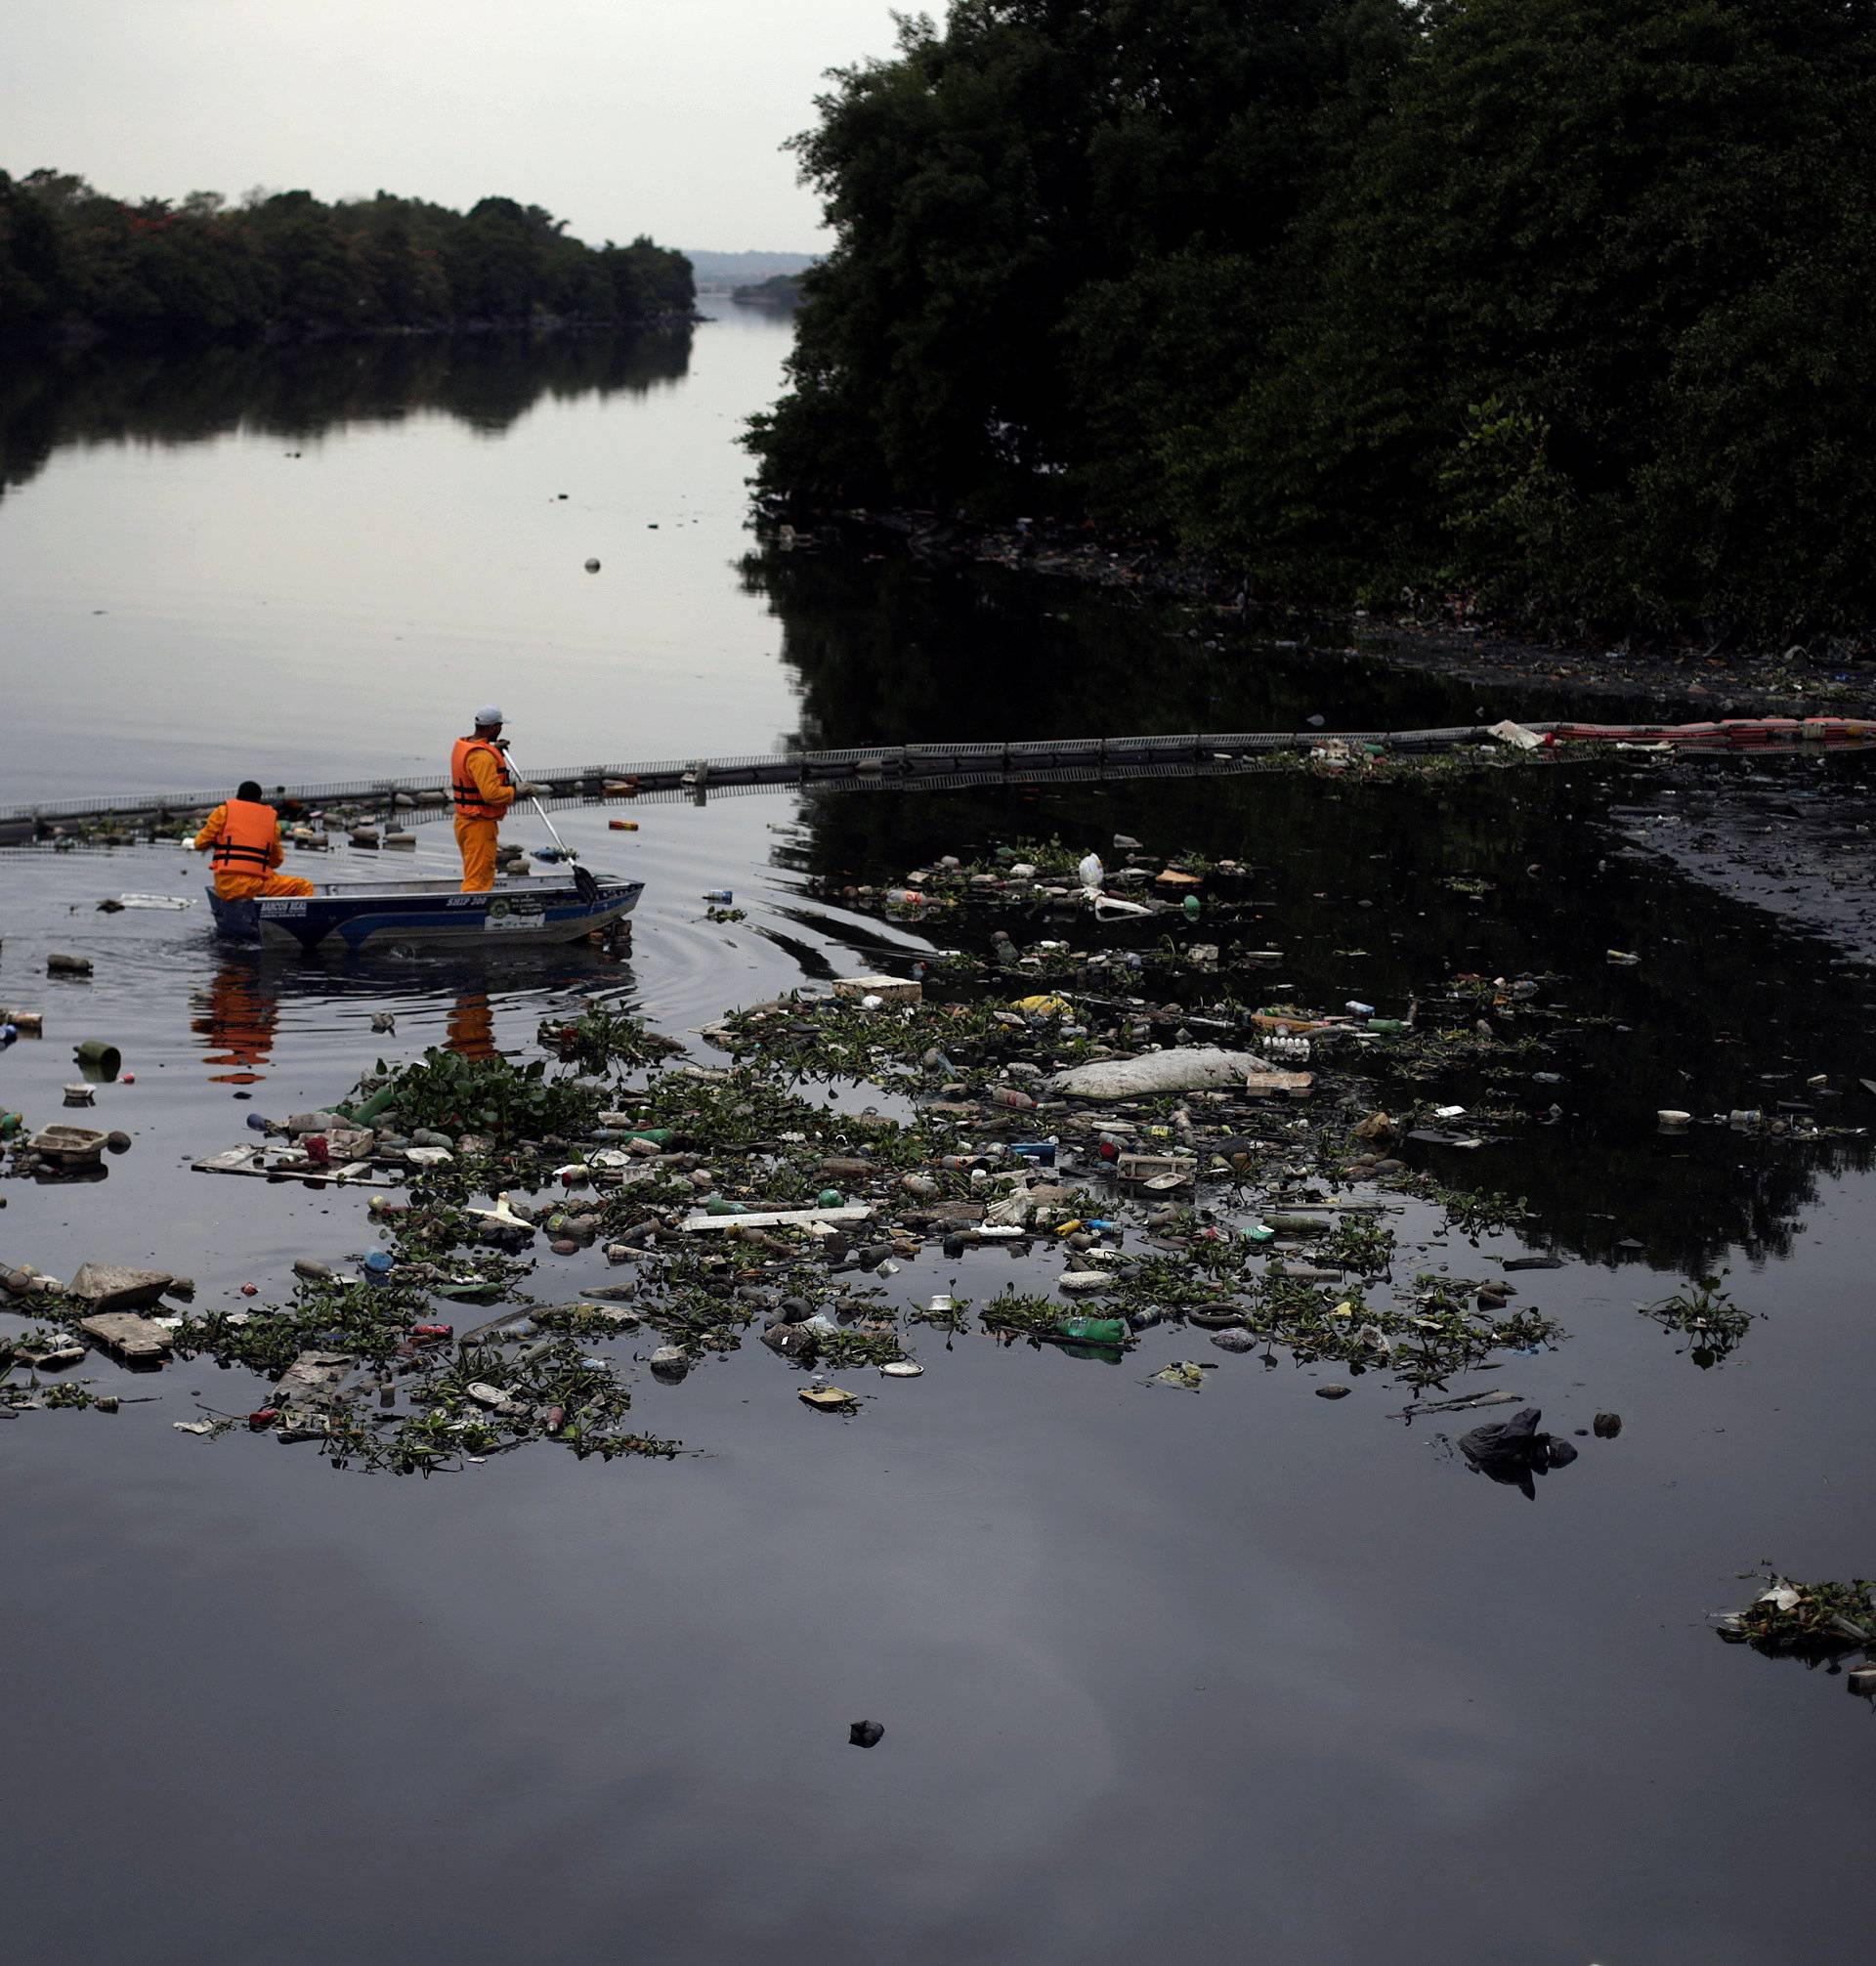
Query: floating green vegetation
x=1788 y=1617
x=1014 y=1313
x=857 y=1345
x=454 y=1093
x=18 y=1396
x=600 y=1041
x=1358 y=1243
x=949 y=1314
x=486 y=1402
x=1435 y=1332
x=733 y=1110
x=1476 y=1214
x=1167 y=1283
x=823 y=1039
x=370 y=1322
x=1704 y=1313
x=68 y=1392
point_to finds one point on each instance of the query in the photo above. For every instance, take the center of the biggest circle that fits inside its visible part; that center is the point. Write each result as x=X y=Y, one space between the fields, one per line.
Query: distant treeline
x=780 y=290
x=75 y=262
x=1565 y=305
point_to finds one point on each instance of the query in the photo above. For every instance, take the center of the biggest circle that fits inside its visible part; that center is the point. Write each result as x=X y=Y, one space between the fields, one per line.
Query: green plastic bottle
x=1092 y=1330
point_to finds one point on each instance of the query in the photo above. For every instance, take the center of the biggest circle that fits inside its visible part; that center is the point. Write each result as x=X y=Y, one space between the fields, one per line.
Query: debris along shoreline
x=1428 y=636
x=1203 y=1161
x=379 y=814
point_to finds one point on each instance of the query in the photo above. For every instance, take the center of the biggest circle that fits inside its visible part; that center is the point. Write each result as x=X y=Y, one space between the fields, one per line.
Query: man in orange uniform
x=246 y=838
x=484 y=791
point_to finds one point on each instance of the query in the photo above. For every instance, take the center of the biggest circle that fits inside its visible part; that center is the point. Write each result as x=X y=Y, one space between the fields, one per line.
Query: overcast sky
x=621 y=117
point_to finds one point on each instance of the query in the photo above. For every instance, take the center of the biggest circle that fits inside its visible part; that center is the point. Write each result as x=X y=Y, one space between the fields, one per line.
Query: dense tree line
x=73 y=259
x=1564 y=303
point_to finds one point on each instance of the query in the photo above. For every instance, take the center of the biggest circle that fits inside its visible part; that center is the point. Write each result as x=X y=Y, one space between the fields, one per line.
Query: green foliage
x=1559 y=306
x=285 y=263
x=454 y=1093
x=1703 y=1311
x=1002 y=188
x=601 y=1040
x=1806 y=1617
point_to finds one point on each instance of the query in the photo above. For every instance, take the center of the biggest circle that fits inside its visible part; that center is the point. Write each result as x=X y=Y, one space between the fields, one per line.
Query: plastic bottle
x=1091 y=873
x=372 y=1107
x=1091 y=1330
x=1007 y=1095
x=719 y=895
x=904 y=897
x=1191 y=906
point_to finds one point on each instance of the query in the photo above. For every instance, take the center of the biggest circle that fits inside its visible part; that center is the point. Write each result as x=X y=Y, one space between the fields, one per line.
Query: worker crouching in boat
x=242 y=837
x=482 y=790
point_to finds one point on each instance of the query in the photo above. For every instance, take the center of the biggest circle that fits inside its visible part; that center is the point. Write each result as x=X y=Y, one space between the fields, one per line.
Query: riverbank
x=80 y=336
x=1794 y=681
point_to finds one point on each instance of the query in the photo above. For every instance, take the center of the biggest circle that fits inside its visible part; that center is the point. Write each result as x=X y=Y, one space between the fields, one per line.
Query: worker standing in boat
x=483 y=789
x=243 y=836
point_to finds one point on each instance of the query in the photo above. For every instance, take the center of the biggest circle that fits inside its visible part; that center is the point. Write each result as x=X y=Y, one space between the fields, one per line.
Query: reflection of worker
x=484 y=791
x=238 y=1024
x=471 y=1027
x=243 y=840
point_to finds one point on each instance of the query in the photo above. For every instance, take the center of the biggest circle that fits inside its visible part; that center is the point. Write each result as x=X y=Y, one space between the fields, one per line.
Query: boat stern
x=235 y=921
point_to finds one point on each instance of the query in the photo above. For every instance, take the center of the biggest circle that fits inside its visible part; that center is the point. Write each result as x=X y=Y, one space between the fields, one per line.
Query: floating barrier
x=946 y=766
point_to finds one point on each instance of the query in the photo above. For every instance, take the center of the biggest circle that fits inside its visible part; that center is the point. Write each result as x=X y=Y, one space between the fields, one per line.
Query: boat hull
x=425 y=914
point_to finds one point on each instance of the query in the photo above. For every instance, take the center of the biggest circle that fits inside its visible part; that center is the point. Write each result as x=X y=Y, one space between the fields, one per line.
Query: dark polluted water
x=1163 y=1674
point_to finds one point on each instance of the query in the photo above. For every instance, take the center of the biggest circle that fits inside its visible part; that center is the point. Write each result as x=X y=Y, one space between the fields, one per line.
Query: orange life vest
x=470 y=802
x=246 y=842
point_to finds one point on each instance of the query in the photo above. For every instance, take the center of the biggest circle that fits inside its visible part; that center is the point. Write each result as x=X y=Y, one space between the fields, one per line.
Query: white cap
x=489 y=714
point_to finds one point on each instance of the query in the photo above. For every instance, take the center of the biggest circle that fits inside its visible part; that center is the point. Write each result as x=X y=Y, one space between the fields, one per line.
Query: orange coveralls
x=246 y=837
x=484 y=791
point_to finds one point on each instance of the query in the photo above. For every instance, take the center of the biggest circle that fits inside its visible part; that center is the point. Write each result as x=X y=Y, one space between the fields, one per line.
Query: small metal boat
x=516 y=913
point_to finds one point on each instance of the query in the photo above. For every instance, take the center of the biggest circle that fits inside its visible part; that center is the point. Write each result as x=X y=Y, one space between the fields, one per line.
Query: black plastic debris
x=1512 y=1451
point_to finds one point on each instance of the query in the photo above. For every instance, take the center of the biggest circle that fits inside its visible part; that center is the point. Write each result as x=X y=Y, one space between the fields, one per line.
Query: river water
x=1161 y=1675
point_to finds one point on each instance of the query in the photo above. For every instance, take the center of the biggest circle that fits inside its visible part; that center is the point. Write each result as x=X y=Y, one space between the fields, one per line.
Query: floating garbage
x=829 y=1399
